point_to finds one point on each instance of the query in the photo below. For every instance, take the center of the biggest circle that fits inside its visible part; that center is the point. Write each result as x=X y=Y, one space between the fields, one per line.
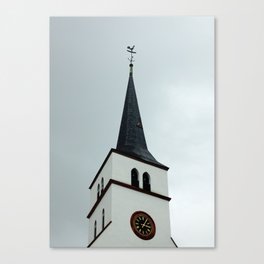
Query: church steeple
x=131 y=178
x=131 y=139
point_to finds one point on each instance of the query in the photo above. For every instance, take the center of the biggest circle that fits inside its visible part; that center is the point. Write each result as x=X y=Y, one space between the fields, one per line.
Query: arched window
x=102 y=185
x=103 y=218
x=98 y=190
x=134 y=178
x=95 y=224
x=146 y=181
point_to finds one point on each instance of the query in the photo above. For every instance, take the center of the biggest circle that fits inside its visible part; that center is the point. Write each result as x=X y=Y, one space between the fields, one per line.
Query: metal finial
x=130 y=50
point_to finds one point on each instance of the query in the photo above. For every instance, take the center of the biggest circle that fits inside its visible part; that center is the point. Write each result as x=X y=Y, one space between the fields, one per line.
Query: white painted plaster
x=122 y=166
x=97 y=214
x=124 y=203
x=106 y=173
x=120 y=203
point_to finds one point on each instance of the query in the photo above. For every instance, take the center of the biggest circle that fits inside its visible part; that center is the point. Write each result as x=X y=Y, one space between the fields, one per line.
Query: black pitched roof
x=131 y=139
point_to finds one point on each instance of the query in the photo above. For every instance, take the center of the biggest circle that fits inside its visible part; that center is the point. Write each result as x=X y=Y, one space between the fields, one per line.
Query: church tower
x=129 y=193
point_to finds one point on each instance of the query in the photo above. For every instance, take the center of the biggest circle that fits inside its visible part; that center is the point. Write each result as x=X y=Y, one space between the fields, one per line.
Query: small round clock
x=143 y=225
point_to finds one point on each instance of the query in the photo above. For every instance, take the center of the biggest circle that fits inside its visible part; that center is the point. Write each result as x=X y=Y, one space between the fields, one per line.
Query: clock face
x=143 y=225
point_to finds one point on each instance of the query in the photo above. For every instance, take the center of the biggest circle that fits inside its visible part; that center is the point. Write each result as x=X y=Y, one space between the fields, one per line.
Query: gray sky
x=174 y=80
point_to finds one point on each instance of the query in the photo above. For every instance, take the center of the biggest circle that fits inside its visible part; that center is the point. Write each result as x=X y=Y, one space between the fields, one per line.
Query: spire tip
x=130 y=50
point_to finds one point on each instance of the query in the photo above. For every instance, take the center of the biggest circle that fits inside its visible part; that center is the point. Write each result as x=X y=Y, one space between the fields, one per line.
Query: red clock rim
x=132 y=224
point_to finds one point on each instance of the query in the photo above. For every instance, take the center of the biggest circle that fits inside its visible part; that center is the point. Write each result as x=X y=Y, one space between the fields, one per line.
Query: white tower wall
x=124 y=203
x=106 y=204
x=121 y=171
x=105 y=173
x=121 y=202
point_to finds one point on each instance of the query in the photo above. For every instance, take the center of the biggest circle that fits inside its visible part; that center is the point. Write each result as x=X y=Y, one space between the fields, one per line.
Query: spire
x=131 y=139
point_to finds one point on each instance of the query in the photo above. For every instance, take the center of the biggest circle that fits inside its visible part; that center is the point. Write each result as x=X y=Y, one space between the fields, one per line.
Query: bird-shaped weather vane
x=130 y=50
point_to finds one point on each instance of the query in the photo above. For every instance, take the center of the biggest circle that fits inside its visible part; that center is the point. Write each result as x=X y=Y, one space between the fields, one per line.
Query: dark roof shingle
x=131 y=137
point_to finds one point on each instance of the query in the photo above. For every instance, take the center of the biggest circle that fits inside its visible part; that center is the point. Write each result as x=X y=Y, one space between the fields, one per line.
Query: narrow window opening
x=134 y=178
x=102 y=185
x=95 y=224
x=146 y=182
x=98 y=190
x=103 y=219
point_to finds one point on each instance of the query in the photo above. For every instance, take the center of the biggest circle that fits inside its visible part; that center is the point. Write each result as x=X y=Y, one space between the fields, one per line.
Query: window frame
x=134 y=175
x=146 y=182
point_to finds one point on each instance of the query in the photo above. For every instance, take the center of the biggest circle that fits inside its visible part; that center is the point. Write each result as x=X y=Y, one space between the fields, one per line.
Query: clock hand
x=145 y=223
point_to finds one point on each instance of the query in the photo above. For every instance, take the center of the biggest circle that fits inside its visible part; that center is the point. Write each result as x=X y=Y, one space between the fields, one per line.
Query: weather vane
x=130 y=50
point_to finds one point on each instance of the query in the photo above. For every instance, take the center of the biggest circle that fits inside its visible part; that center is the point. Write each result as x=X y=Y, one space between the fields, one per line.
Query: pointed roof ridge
x=131 y=139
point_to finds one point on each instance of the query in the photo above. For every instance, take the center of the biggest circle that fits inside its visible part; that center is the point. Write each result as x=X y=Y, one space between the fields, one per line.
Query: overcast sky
x=174 y=80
